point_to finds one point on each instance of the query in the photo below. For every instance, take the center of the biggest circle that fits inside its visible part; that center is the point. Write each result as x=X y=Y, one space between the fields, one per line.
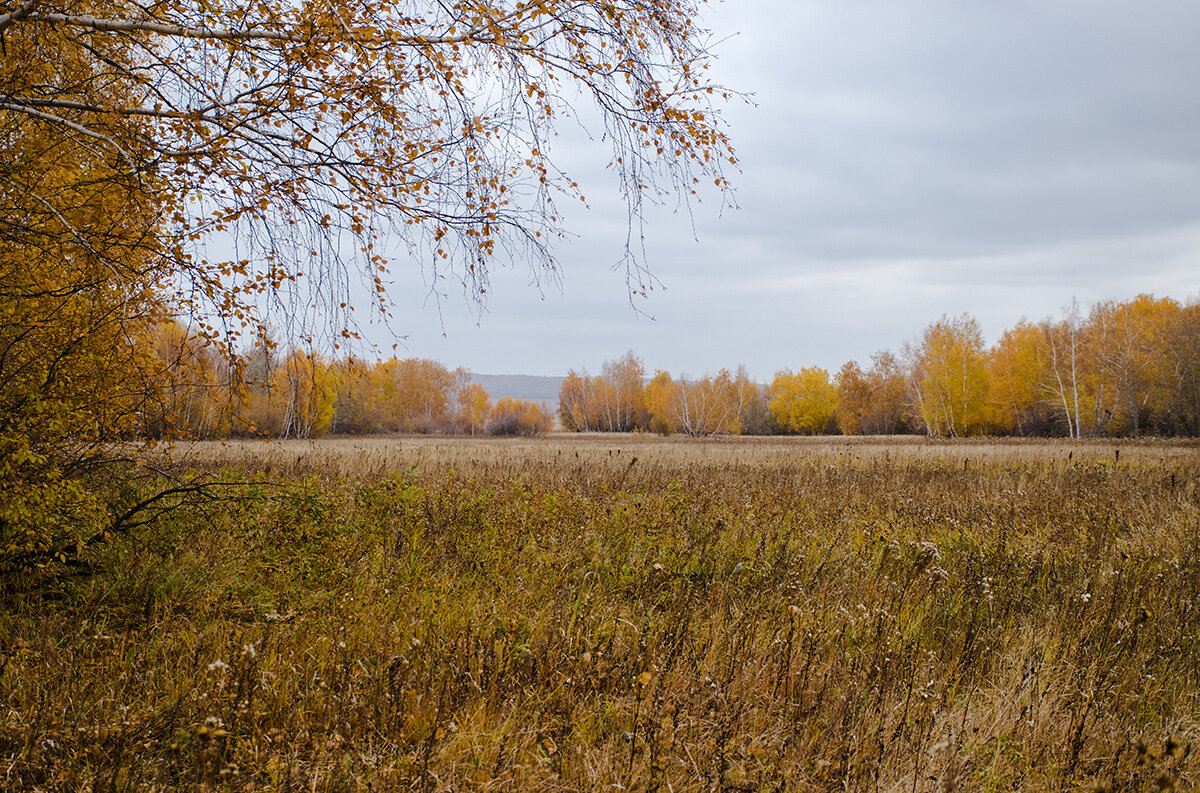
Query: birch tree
x=949 y=377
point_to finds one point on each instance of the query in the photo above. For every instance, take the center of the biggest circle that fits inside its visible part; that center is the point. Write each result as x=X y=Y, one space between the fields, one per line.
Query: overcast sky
x=903 y=159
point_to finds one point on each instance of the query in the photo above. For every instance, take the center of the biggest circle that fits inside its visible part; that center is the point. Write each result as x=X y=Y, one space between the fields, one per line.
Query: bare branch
x=64 y=104
x=232 y=34
x=91 y=133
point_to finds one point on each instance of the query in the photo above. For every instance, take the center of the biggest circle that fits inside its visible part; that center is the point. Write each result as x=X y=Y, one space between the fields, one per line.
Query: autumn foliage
x=1126 y=368
x=81 y=291
x=310 y=131
x=300 y=394
x=511 y=416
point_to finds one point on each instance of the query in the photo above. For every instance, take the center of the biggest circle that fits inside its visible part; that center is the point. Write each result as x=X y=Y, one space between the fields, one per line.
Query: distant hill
x=521 y=386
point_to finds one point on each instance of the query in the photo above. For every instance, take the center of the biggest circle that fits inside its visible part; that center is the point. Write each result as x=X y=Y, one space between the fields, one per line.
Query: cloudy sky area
x=903 y=159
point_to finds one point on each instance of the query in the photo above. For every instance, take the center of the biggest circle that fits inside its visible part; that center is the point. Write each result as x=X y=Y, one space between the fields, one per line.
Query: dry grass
x=605 y=613
x=365 y=457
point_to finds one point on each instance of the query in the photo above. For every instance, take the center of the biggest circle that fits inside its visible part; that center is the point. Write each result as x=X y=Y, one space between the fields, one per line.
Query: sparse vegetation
x=582 y=613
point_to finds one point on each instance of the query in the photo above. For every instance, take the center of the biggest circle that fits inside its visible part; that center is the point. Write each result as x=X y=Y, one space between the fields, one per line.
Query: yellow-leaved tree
x=803 y=402
x=1129 y=347
x=356 y=409
x=1017 y=368
x=613 y=401
x=704 y=406
x=307 y=131
x=950 y=377
x=293 y=138
x=474 y=405
x=81 y=295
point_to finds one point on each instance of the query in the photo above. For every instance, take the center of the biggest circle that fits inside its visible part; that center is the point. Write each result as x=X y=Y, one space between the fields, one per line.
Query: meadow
x=625 y=613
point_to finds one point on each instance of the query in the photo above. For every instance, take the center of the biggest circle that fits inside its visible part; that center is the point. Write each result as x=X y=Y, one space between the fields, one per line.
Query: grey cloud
x=904 y=159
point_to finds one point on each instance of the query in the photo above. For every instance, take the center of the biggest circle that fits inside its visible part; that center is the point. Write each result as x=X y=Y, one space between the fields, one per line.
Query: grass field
x=607 y=613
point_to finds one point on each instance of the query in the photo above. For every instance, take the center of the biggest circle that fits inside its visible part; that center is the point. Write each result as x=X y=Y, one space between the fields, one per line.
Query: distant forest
x=1128 y=367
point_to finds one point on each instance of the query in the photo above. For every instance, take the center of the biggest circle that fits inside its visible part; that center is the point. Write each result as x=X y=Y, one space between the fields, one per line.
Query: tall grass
x=512 y=616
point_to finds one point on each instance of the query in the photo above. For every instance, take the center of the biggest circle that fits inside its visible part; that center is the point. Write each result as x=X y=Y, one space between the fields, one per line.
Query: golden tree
x=196 y=395
x=704 y=406
x=414 y=393
x=853 y=398
x=803 y=401
x=1018 y=372
x=474 y=406
x=80 y=298
x=619 y=394
x=613 y=401
x=304 y=387
x=574 y=398
x=873 y=402
x=356 y=409
x=721 y=403
x=950 y=377
x=660 y=396
x=1184 y=351
x=306 y=132
x=1129 y=347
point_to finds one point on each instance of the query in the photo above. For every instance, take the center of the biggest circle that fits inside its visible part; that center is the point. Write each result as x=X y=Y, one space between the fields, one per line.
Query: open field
x=383 y=455
x=605 y=613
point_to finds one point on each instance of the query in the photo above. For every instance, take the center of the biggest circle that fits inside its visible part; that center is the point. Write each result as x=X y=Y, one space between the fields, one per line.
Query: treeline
x=299 y=394
x=1125 y=368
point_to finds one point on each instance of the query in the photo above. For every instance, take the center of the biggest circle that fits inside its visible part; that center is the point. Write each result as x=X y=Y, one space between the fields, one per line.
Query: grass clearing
x=582 y=613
